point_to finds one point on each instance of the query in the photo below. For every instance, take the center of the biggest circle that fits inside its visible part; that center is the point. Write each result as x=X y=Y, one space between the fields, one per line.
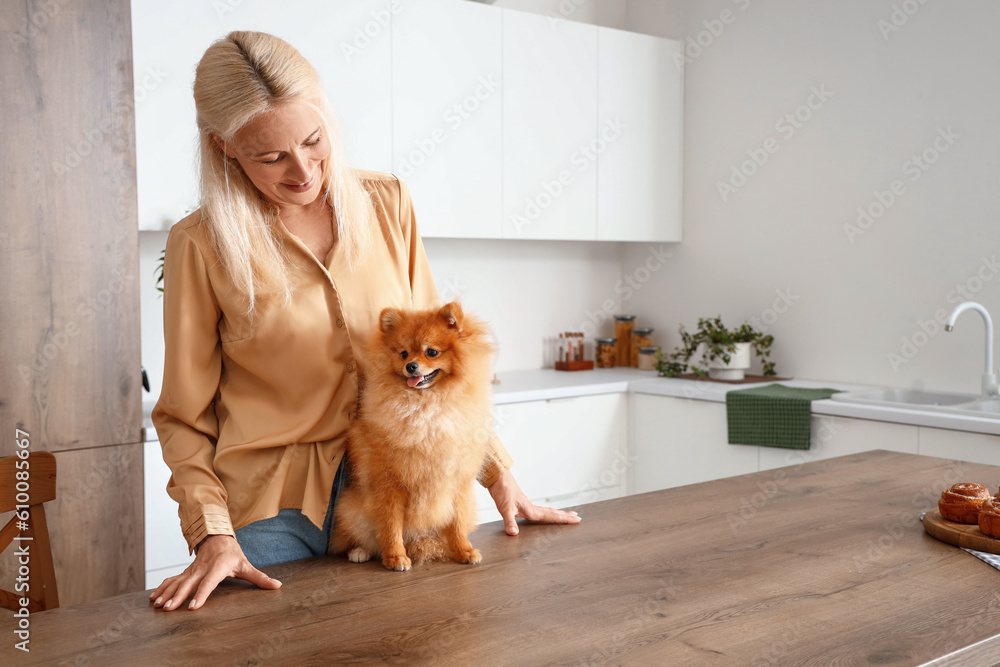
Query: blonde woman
x=268 y=288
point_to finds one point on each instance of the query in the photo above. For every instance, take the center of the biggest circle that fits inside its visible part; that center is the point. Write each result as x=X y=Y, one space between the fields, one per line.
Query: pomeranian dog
x=419 y=440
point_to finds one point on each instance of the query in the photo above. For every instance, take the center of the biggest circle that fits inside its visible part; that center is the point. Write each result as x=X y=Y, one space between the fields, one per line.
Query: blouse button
x=350 y=368
x=340 y=322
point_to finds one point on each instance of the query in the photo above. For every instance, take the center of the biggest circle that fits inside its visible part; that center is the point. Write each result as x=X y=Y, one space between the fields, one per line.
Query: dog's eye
x=404 y=354
x=431 y=352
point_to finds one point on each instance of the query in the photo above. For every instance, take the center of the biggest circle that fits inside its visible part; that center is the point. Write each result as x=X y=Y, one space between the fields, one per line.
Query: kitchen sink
x=989 y=406
x=900 y=398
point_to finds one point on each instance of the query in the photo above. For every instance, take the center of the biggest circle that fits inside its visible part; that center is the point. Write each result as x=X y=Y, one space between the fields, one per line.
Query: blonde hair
x=240 y=77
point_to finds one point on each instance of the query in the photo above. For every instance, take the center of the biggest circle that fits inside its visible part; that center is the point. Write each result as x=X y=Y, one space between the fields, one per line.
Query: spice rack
x=570 y=353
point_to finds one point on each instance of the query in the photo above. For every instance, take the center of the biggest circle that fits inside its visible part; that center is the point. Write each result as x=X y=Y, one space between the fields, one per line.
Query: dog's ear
x=452 y=314
x=389 y=319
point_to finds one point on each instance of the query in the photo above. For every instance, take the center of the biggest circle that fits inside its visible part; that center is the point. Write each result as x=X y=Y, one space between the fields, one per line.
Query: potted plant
x=721 y=353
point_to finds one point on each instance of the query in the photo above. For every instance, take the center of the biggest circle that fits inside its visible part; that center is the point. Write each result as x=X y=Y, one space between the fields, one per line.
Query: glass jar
x=640 y=338
x=647 y=358
x=604 y=355
x=623 y=332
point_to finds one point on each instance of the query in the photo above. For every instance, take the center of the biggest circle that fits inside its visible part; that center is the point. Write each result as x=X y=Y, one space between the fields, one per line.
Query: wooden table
x=817 y=564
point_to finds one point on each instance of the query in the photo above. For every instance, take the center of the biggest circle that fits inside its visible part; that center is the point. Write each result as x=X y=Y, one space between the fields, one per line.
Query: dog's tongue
x=413 y=382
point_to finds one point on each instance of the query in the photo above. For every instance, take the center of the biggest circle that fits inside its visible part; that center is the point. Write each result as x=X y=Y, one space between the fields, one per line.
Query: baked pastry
x=989 y=517
x=961 y=503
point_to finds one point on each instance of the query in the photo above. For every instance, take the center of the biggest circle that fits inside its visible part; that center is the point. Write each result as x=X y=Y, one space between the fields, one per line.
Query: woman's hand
x=218 y=557
x=512 y=503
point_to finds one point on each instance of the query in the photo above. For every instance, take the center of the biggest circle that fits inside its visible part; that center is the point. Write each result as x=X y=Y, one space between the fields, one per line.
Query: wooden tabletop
x=818 y=564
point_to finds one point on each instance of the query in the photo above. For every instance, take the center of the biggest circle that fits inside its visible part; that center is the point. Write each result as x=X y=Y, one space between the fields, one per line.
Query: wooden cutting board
x=959 y=534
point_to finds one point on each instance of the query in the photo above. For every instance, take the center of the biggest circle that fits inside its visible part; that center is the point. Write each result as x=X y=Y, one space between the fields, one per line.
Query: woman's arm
x=188 y=429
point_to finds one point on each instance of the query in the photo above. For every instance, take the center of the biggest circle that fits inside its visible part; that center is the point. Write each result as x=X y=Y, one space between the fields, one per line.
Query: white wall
x=854 y=300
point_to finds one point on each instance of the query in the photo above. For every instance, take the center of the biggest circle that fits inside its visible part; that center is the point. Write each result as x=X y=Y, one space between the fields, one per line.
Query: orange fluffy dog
x=419 y=440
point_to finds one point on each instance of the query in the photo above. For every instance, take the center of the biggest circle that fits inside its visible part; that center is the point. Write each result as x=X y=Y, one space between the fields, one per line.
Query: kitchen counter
x=549 y=384
x=831 y=562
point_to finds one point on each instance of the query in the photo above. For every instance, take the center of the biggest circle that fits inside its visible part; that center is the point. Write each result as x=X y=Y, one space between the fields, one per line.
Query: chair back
x=25 y=483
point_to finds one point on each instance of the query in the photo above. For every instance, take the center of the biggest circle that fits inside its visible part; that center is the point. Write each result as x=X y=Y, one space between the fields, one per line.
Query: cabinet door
x=549 y=128
x=640 y=113
x=679 y=441
x=347 y=42
x=961 y=445
x=447 y=109
x=839 y=436
x=566 y=451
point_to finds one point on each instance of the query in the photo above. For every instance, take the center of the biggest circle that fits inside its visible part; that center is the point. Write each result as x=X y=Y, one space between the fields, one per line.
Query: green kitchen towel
x=772 y=416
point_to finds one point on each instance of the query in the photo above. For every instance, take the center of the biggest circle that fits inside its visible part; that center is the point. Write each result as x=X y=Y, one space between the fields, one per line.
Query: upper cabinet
x=447 y=115
x=640 y=111
x=549 y=128
x=505 y=124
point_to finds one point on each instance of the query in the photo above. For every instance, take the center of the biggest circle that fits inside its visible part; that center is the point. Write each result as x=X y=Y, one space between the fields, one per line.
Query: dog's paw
x=359 y=555
x=398 y=563
x=470 y=556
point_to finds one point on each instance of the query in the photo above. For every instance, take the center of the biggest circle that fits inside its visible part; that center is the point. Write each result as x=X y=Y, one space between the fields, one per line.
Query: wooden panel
x=68 y=233
x=95 y=524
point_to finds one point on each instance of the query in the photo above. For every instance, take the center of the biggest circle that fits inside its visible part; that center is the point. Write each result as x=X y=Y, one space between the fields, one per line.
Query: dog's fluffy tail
x=427 y=548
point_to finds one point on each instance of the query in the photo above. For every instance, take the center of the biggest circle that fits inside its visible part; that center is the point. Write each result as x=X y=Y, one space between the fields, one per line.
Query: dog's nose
x=412 y=367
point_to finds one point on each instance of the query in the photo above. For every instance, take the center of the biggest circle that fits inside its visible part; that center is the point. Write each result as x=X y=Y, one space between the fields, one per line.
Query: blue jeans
x=290 y=535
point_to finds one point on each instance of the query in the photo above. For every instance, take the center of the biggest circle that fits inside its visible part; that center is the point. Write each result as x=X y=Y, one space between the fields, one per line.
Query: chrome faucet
x=989 y=379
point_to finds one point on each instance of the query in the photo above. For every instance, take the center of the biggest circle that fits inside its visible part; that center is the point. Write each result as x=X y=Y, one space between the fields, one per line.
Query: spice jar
x=640 y=338
x=605 y=354
x=623 y=332
x=647 y=358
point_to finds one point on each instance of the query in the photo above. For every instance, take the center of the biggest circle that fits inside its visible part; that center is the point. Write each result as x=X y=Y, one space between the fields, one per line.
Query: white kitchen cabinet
x=839 y=436
x=640 y=111
x=960 y=445
x=549 y=128
x=678 y=441
x=566 y=451
x=166 y=548
x=447 y=122
x=347 y=42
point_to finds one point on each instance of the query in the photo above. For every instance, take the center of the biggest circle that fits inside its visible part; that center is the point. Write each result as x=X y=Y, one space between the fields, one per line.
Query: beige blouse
x=251 y=419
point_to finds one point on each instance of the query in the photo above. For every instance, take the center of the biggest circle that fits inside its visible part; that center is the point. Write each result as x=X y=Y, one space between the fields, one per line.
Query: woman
x=268 y=290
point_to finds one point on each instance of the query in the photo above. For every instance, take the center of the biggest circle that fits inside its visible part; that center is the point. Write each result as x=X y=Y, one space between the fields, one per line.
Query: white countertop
x=547 y=384
x=550 y=384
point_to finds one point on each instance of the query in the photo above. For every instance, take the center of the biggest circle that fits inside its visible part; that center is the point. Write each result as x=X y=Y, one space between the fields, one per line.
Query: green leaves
x=720 y=343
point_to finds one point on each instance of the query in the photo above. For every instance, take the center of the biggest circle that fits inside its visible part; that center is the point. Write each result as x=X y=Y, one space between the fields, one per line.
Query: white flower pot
x=739 y=362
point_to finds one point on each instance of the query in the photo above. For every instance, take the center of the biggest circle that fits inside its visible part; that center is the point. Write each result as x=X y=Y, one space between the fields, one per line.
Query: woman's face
x=283 y=152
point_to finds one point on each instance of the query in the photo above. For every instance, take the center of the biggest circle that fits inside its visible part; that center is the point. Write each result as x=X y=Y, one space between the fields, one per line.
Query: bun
x=989 y=517
x=962 y=502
